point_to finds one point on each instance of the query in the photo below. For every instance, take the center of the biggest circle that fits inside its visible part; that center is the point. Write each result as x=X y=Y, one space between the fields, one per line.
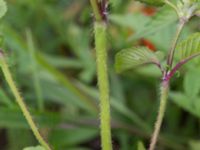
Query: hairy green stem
x=175 y=40
x=165 y=85
x=20 y=102
x=100 y=29
x=103 y=83
x=161 y=112
x=95 y=8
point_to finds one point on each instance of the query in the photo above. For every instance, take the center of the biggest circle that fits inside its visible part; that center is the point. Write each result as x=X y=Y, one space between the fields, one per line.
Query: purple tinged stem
x=169 y=75
x=103 y=9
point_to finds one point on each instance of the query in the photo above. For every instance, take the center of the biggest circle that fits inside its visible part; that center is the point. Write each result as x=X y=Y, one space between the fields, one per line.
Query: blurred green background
x=49 y=47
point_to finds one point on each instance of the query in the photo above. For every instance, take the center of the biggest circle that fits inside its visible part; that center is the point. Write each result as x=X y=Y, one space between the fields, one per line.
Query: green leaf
x=133 y=57
x=189 y=104
x=140 y=146
x=13 y=134
x=192 y=83
x=1 y=40
x=34 y=148
x=72 y=136
x=189 y=47
x=5 y=99
x=13 y=118
x=3 y=8
x=166 y=35
x=78 y=148
x=152 y=2
x=194 y=145
x=130 y=20
x=163 y=18
x=118 y=106
x=67 y=83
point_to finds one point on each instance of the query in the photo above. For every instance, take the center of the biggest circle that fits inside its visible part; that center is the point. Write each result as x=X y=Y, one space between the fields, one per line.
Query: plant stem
x=103 y=83
x=161 y=112
x=96 y=10
x=175 y=40
x=172 y=5
x=20 y=102
x=165 y=85
x=100 y=29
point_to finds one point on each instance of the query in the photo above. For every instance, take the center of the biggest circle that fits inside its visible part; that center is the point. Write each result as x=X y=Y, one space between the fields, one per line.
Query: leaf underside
x=189 y=47
x=131 y=58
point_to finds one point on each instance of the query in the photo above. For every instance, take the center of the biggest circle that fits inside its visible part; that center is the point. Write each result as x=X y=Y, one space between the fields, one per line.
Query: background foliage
x=49 y=46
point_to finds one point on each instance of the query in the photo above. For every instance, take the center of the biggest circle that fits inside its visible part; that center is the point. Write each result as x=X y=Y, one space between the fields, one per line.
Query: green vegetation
x=64 y=58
